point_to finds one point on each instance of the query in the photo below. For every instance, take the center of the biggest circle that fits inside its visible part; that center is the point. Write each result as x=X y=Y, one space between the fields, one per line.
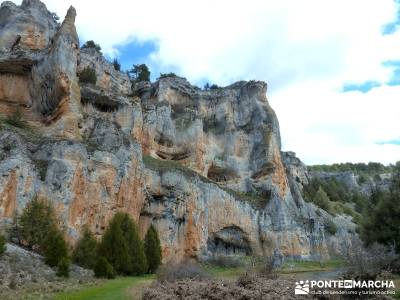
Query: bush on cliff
x=116 y=65
x=330 y=227
x=35 y=223
x=122 y=246
x=91 y=45
x=88 y=75
x=17 y=120
x=2 y=245
x=152 y=249
x=85 y=251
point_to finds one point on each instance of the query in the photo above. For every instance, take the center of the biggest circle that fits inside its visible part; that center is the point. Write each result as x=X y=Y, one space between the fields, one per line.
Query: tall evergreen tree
x=137 y=258
x=152 y=249
x=114 y=247
x=56 y=248
x=36 y=221
x=85 y=251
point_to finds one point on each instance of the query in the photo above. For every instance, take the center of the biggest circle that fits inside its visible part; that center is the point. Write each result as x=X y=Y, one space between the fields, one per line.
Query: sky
x=332 y=66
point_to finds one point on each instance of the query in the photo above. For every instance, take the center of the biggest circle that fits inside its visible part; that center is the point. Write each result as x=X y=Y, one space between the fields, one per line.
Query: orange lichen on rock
x=8 y=197
x=279 y=176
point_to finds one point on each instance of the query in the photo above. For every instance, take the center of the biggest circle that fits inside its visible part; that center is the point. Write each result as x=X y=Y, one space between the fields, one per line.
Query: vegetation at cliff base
x=85 y=252
x=38 y=230
x=122 y=247
x=152 y=249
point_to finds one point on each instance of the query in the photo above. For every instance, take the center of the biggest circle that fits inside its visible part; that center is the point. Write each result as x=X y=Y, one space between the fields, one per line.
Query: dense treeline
x=377 y=215
x=334 y=197
x=119 y=252
x=382 y=218
x=371 y=168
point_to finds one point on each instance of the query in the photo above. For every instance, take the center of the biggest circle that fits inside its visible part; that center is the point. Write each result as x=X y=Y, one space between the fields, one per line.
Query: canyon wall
x=205 y=167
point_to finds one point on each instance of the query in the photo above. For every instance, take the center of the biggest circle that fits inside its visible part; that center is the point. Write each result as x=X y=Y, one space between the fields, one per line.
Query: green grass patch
x=224 y=272
x=297 y=266
x=115 y=289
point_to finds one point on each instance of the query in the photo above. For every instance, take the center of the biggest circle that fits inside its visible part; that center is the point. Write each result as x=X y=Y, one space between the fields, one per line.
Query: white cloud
x=306 y=50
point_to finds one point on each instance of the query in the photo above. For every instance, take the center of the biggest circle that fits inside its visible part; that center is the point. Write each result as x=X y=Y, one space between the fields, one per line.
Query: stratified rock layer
x=204 y=166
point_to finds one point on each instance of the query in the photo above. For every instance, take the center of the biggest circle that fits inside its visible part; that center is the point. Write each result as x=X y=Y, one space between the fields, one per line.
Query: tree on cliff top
x=122 y=247
x=139 y=73
x=85 y=251
x=152 y=249
x=91 y=44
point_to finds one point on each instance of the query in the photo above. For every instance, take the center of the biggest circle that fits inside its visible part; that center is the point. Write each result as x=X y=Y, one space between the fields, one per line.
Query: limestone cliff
x=204 y=166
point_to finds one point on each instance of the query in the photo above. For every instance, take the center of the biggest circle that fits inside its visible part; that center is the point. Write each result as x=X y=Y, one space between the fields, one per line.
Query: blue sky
x=332 y=67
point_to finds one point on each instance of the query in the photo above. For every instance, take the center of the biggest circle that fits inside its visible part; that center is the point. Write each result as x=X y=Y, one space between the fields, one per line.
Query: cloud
x=308 y=51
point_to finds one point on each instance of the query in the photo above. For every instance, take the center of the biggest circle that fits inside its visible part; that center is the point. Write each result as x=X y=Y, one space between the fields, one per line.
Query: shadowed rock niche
x=230 y=240
x=38 y=61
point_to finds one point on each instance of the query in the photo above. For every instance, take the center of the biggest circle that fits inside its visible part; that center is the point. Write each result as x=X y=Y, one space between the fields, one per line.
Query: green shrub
x=17 y=120
x=330 y=227
x=321 y=199
x=56 y=248
x=152 y=249
x=92 y=45
x=2 y=244
x=88 y=75
x=63 y=267
x=122 y=246
x=116 y=64
x=85 y=250
x=103 y=269
x=165 y=75
x=36 y=221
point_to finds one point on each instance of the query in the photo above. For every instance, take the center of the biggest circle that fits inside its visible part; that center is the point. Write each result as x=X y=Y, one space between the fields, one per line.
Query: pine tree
x=55 y=249
x=137 y=257
x=321 y=199
x=114 y=247
x=2 y=244
x=152 y=249
x=103 y=269
x=36 y=221
x=63 y=267
x=122 y=247
x=85 y=250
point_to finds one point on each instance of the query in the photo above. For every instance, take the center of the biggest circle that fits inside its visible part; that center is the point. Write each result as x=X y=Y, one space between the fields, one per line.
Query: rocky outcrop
x=38 y=67
x=204 y=166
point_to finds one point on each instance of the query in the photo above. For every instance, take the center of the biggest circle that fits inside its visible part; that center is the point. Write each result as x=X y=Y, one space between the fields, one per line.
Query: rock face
x=204 y=167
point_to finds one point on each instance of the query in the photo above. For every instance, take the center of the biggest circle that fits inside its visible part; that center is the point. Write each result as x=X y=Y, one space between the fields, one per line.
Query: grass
x=224 y=272
x=297 y=266
x=397 y=288
x=116 y=289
